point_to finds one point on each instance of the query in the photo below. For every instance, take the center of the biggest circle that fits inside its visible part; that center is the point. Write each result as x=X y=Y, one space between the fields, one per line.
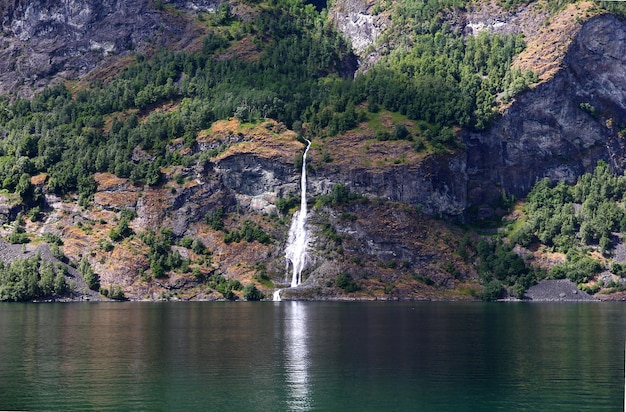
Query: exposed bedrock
x=561 y=128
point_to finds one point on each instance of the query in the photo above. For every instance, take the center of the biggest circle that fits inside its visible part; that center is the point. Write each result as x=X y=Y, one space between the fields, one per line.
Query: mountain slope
x=174 y=174
x=47 y=41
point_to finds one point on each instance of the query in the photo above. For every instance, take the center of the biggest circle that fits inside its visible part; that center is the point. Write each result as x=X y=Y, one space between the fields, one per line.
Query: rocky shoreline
x=557 y=290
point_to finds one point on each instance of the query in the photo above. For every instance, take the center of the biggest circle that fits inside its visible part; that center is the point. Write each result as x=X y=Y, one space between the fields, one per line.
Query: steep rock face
x=393 y=251
x=437 y=184
x=258 y=165
x=257 y=181
x=355 y=18
x=45 y=38
x=562 y=127
x=362 y=25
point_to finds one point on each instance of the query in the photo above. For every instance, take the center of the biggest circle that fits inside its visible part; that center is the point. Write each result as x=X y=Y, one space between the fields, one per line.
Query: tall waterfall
x=298 y=239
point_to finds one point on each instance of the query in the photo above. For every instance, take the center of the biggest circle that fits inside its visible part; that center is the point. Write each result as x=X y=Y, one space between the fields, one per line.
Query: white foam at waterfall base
x=298 y=239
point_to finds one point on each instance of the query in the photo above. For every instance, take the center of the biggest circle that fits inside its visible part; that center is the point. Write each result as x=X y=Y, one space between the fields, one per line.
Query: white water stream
x=298 y=238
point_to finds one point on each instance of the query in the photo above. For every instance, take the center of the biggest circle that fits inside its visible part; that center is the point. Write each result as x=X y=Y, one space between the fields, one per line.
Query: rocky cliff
x=561 y=128
x=44 y=40
x=436 y=183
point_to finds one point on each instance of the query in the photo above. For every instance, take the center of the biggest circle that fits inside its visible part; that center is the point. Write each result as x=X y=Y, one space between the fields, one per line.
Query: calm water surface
x=312 y=356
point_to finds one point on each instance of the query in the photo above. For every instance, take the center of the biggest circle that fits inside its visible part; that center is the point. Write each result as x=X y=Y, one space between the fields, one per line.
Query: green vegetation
x=215 y=219
x=223 y=286
x=346 y=282
x=584 y=221
x=162 y=257
x=503 y=272
x=123 y=229
x=567 y=218
x=299 y=71
x=18 y=235
x=28 y=279
x=249 y=232
x=91 y=278
x=250 y=292
x=284 y=204
x=115 y=293
x=340 y=196
x=576 y=220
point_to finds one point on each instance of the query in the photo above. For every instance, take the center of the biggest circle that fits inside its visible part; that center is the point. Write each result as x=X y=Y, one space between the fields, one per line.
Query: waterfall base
x=276 y=295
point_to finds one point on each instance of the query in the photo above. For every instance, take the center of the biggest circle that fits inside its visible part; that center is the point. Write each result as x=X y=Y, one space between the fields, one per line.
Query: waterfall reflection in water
x=297 y=357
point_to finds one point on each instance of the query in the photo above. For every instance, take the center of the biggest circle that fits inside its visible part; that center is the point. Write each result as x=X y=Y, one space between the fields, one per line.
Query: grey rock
x=545 y=133
x=438 y=184
x=557 y=290
x=45 y=41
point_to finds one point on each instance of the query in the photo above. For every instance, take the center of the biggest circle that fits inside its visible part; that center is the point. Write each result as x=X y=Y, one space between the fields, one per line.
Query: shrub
x=34 y=214
x=577 y=268
x=106 y=245
x=401 y=132
x=57 y=252
x=283 y=204
x=347 y=283
x=198 y=247
x=493 y=290
x=117 y=293
x=339 y=196
x=186 y=242
x=215 y=219
x=424 y=279
x=250 y=292
x=91 y=278
x=249 y=232
x=52 y=239
x=60 y=285
x=17 y=237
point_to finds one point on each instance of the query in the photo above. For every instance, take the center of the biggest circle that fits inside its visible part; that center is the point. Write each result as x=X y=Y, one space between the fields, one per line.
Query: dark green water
x=312 y=356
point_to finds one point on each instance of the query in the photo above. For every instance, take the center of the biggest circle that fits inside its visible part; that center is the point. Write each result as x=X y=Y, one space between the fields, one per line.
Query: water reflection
x=297 y=357
x=372 y=356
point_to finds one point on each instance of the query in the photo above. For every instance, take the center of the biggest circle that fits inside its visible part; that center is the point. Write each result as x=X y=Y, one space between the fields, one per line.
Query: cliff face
x=545 y=132
x=359 y=22
x=362 y=24
x=44 y=38
x=561 y=128
x=436 y=185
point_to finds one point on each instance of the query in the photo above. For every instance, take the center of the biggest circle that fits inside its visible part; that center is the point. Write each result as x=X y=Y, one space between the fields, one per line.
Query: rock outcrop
x=359 y=22
x=45 y=40
x=437 y=184
x=557 y=290
x=561 y=128
x=362 y=24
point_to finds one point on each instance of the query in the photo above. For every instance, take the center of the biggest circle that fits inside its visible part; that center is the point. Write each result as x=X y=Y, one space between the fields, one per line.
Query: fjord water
x=283 y=356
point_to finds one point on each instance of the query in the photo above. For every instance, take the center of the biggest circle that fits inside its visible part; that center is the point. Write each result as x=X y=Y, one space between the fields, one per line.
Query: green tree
x=250 y=292
x=91 y=278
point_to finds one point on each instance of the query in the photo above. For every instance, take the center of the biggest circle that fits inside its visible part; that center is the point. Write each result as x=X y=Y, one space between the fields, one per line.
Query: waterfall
x=298 y=239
